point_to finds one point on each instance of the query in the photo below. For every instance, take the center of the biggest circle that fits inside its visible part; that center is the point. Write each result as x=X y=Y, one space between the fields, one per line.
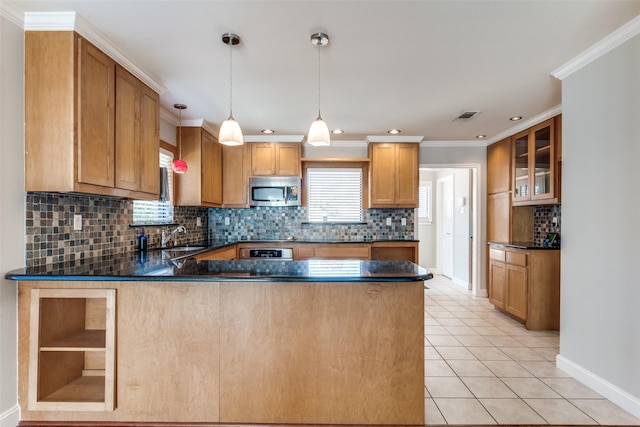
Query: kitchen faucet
x=166 y=238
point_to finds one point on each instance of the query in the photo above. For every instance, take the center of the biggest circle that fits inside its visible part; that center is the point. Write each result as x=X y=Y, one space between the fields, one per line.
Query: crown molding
x=383 y=138
x=12 y=13
x=610 y=42
x=273 y=138
x=526 y=124
x=452 y=144
x=169 y=117
x=71 y=21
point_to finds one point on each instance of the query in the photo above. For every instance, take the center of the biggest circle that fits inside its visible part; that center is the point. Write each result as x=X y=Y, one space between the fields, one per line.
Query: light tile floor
x=482 y=367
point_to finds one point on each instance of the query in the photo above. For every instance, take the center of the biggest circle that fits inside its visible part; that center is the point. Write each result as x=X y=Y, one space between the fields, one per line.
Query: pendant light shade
x=230 y=132
x=319 y=131
x=179 y=166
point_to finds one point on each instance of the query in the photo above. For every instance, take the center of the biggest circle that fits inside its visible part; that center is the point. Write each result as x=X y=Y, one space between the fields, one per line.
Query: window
x=424 y=202
x=157 y=211
x=334 y=194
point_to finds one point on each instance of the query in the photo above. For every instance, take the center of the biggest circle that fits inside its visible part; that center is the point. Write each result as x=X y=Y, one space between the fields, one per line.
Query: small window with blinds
x=334 y=194
x=157 y=211
x=424 y=203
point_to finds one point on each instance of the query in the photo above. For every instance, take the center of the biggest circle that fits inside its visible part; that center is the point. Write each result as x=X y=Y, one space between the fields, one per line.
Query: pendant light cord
x=319 y=116
x=230 y=79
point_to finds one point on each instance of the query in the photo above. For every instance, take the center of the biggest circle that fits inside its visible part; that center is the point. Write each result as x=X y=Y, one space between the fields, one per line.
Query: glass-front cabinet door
x=543 y=167
x=521 y=164
x=534 y=165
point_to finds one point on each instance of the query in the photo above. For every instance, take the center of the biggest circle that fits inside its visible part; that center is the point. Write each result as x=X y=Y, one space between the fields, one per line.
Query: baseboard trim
x=615 y=394
x=10 y=417
x=463 y=283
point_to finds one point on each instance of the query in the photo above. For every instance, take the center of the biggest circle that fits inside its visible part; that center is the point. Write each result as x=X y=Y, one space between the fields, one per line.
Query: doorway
x=446 y=234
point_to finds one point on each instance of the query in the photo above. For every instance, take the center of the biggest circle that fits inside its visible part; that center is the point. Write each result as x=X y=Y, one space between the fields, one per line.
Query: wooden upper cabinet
x=275 y=159
x=211 y=170
x=137 y=134
x=95 y=114
x=534 y=165
x=102 y=130
x=202 y=184
x=393 y=175
x=235 y=176
x=499 y=167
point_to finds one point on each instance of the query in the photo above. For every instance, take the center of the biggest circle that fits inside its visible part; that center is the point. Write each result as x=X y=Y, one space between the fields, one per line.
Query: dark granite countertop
x=523 y=245
x=155 y=266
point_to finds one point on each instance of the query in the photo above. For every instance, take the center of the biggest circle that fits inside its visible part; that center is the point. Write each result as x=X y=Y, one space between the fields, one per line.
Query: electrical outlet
x=77 y=222
x=554 y=221
x=388 y=221
x=403 y=221
x=198 y=221
x=227 y=221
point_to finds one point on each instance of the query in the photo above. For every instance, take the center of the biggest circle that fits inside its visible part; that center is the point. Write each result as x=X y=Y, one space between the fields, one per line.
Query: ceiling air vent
x=467 y=115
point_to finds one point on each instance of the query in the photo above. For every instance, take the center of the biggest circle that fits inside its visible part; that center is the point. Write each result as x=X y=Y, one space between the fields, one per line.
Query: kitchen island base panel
x=231 y=353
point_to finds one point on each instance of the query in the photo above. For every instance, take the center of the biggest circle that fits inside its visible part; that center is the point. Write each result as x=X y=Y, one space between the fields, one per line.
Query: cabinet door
x=127 y=136
x=235 y=176
x=499 y=217
x=263 y=162
x=96 y=113
x=287 y=157
x=149 y=141
x=516 y=302
x=497 y=283
x=521 y=179
x=406 y=175
x=383 y=168
x=499 y=167
x=543 y=167
x=211 y=170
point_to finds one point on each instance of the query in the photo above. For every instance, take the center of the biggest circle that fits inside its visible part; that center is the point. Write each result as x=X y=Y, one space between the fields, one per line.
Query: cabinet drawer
x=496 y=254
x=517 y=258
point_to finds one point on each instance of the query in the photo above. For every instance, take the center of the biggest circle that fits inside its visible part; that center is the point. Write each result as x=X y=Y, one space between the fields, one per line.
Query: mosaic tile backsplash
x=543 y=222
x=279 y=223
x=50 y=237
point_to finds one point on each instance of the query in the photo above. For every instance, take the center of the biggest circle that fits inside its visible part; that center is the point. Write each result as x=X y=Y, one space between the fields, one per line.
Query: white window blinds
x=157 y=211
x=424 y=202
x=334 y=194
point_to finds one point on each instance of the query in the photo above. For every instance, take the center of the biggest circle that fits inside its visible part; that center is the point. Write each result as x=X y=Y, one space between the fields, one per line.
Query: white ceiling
x=413 y=65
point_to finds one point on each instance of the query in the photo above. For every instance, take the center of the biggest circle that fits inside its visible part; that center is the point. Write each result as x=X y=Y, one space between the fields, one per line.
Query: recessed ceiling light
x=393 y=131
x=268 y=131
x=337 y=131
x=481 y=136
x=515 y=118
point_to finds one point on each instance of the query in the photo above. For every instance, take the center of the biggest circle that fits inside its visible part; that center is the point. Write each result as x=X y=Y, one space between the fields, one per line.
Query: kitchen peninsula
x=133 y=339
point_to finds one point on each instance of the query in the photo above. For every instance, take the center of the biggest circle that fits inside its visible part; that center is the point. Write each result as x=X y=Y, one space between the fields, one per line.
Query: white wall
x=12 y=219
x=600 y=284
x=427 y=232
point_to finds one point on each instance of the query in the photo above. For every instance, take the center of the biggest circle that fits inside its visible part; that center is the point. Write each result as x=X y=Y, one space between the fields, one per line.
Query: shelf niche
x=72 y=361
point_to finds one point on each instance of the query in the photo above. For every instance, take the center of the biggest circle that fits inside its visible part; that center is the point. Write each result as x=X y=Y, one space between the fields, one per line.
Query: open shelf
x=82 y=389
x=72 y=358
x=87 y=340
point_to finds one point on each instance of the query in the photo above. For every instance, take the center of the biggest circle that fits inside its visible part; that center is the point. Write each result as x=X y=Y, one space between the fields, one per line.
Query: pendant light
x=179 y=166
x=319 y=131
x=230 y=132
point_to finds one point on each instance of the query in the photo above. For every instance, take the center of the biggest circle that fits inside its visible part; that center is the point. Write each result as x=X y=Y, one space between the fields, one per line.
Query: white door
x=446 y=227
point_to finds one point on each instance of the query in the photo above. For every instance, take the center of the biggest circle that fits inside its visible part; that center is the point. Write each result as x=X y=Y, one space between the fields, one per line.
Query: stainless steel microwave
x=274 y=191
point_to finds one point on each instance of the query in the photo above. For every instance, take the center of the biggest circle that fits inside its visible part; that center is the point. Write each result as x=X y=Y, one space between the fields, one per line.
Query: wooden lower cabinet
x=233 y=352
x=395 y=251
x=526 y=285
x=222 y=254
x=359 y=251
